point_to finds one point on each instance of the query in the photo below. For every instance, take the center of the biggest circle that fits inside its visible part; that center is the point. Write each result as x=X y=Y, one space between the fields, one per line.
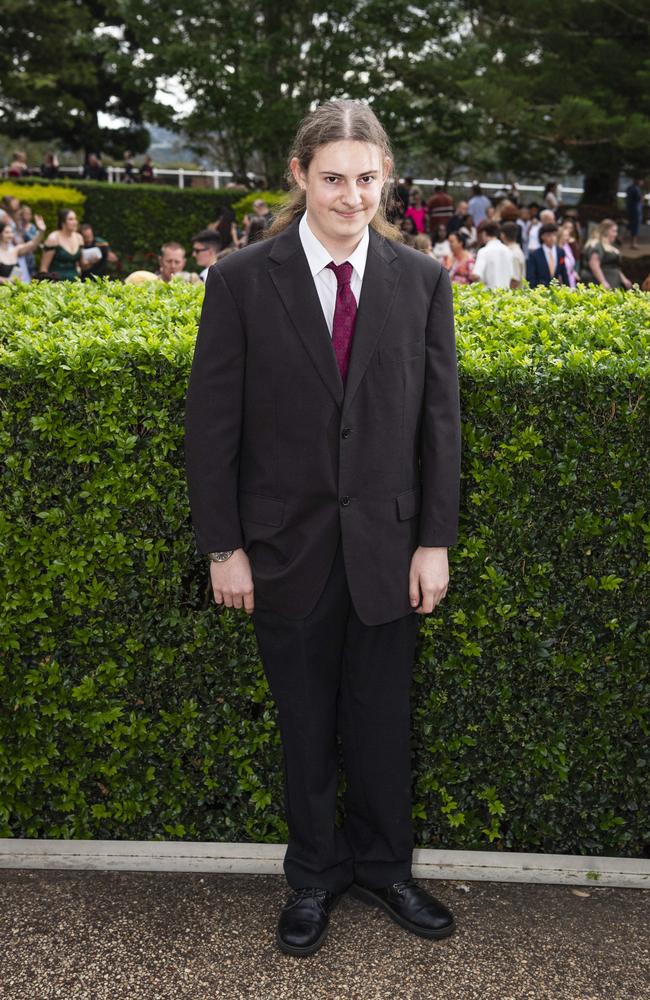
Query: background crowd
x=495 y=240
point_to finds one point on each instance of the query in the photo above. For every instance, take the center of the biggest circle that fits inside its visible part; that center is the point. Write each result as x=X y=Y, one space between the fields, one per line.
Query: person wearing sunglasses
x=205 y=247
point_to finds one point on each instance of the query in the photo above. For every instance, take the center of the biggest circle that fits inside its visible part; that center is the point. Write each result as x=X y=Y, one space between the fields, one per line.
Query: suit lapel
x=291 y=276
x=380 y=280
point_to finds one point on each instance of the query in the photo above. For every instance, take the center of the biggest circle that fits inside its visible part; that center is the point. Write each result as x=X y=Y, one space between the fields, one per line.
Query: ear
x=298 y=173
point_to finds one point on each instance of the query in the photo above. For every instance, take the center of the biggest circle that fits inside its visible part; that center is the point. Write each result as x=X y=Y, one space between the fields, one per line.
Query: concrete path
x=168 y=936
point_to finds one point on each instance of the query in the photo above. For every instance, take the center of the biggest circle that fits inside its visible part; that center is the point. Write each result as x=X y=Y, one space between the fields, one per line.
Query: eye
x=331 y=178
x=367 y=179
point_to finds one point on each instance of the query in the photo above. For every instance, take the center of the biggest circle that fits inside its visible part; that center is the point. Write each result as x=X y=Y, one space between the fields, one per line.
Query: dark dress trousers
x=330 y=489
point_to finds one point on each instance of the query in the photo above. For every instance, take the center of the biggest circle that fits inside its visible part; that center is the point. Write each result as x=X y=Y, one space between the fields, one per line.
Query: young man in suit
x=548 y=261
x=323 y=457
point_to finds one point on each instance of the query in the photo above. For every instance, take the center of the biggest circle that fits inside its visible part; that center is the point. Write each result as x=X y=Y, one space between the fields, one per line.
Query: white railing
x=115 y=175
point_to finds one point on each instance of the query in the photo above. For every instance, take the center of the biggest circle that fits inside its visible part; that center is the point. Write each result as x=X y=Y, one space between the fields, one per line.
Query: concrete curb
x=266 y=859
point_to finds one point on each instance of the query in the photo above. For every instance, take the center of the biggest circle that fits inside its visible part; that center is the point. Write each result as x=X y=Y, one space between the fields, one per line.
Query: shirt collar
x=318 y=257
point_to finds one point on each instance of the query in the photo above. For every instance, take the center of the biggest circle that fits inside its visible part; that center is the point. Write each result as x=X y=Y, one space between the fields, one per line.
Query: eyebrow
x=333 y=173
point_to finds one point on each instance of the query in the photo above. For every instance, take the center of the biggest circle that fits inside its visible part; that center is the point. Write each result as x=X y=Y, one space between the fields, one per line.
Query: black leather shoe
x=410 y=907
x=302 y=926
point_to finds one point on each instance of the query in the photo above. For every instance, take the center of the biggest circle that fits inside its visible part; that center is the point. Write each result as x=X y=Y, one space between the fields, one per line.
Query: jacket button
x=345 y=433
x=345 y=501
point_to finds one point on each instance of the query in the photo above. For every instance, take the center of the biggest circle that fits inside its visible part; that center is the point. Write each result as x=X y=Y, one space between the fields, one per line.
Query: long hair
x=335 y=121
x=599 y=234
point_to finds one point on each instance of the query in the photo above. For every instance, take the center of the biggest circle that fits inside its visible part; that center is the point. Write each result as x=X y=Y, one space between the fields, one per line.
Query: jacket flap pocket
x=408 y=504
x=261 y=509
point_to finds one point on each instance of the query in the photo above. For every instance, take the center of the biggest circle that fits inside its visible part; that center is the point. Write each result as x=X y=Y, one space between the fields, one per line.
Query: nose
x=350 y=195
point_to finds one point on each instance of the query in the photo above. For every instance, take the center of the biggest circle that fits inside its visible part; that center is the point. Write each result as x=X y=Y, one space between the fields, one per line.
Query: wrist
x=220 y=557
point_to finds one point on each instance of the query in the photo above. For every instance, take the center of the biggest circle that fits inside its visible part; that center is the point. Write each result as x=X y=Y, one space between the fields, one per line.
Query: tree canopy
x=477 y=85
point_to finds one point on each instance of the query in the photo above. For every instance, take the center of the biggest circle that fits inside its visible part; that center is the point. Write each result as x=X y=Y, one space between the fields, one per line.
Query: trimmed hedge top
x=540 y=329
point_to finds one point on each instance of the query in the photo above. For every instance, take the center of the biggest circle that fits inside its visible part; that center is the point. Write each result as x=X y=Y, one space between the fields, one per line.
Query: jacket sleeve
x=440 y=443
x=531 y=270
x=213 y=419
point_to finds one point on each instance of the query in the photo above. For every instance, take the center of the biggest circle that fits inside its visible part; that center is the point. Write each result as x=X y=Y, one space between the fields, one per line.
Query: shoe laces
x=404 y=884
x=313 y=892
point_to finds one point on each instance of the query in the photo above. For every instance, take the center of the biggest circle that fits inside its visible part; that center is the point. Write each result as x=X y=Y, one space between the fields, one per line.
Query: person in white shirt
x=205 y=247
x=509 y=233
x=493 y=261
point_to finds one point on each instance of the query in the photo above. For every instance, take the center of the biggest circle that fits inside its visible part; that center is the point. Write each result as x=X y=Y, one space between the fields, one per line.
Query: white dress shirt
x=324 y=278
x=494 y=264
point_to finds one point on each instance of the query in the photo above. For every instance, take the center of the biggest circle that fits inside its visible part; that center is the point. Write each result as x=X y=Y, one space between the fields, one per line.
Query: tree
x=254 y=68
x=565 y=79
x=63 y=64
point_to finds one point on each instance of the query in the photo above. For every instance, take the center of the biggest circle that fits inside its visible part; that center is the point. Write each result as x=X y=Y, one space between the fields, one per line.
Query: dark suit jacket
x=281 y=460
x=537 y=270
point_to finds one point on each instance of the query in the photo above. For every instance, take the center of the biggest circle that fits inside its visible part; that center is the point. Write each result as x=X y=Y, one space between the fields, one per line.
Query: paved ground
x=159 y=936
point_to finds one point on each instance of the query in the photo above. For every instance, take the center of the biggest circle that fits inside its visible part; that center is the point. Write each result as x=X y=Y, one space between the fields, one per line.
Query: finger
x=218 y=597
x=227 y=599
x=414 y=590
x=237 y=601
x=249 y=602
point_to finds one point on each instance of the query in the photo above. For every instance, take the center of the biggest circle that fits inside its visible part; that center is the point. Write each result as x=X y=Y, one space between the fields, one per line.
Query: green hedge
x=133 y=709
x=137 y=219
x=46 y=199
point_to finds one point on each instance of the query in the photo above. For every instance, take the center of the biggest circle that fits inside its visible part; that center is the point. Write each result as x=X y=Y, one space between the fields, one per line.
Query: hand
x=428 y=578
x=40 y=224
x=232 y=581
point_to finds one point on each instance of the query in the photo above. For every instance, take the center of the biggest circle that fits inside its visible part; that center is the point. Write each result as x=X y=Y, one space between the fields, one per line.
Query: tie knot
x=342 y=271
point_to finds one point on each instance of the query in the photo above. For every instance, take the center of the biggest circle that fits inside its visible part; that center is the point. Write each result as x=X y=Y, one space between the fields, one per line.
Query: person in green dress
x=601 y=258
x=62 y=259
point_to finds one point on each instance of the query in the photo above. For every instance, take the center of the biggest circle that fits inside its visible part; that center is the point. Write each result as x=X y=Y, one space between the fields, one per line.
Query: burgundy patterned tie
x=345 y=314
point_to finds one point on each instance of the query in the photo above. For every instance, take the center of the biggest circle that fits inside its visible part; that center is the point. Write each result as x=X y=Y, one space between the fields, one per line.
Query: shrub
x=46 y=199
x=134 y=709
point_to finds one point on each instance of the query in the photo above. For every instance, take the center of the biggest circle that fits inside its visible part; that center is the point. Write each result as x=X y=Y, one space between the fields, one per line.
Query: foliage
x=46 y=199
x=64 y=63
x=254 y=70
x=567 y=79
x=133 y=709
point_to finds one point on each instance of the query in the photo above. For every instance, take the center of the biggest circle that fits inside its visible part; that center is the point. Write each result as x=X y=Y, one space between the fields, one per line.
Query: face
x=454 y=243
x=26 y=213
x=7 y=234
x=442 y=233
x=524 y=214
x=462 y=208
x=171 y=262
x=71 y=222
x=88 y=236
x=549 y=239
x=203 y=254
x=343 y=186
x=612 y=233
